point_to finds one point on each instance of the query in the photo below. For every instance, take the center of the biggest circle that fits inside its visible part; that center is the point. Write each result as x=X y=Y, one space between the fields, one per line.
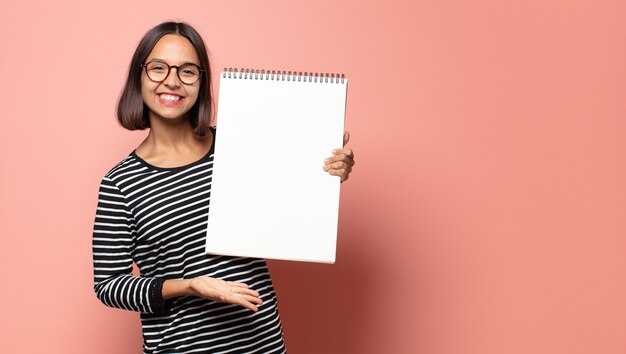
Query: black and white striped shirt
x=157 y=217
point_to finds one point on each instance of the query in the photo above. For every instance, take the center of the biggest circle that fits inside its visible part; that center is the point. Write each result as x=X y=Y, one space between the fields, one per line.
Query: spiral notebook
x=270 y=197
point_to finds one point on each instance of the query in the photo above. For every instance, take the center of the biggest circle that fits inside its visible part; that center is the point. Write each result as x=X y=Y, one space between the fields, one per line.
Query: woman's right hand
x=225 y=291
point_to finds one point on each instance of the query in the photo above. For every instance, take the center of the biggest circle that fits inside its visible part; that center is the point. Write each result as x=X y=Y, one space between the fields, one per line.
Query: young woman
x=153 y=207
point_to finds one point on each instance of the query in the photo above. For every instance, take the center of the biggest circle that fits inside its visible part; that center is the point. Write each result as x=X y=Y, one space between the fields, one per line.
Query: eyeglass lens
x=187 y=73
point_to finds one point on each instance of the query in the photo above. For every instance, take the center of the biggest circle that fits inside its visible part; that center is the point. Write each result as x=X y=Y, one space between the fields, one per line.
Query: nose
x=172 y=80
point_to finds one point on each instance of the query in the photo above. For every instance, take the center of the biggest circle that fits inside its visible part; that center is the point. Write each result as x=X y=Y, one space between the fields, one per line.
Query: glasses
x=187 y=73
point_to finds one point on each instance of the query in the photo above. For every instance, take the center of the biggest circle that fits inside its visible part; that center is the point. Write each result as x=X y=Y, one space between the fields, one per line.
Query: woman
x=152 y=209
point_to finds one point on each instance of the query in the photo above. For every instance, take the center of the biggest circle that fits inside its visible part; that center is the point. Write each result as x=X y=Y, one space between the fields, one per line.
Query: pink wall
x=486 y=213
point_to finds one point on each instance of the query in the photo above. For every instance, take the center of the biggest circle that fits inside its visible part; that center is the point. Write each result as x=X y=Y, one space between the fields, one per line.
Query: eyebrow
x=163 y=61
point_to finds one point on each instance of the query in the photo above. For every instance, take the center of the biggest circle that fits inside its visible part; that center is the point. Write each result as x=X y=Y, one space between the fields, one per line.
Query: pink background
x=486 y=213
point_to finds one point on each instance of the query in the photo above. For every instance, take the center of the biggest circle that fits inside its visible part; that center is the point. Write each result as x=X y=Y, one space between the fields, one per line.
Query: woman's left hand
x=341 y=163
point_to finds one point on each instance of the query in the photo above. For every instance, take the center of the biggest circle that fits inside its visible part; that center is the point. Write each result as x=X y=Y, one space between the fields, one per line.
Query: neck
x=176 y=134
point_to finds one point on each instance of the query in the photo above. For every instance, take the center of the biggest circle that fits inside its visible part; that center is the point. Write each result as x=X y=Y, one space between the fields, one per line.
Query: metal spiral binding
x=281 y=75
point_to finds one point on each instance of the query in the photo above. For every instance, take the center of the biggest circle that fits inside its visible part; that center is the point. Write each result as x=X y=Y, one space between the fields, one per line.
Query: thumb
x=346 y=137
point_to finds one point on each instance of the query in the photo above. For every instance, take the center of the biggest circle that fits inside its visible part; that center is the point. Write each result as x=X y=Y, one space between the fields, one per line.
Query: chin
x=169 y=117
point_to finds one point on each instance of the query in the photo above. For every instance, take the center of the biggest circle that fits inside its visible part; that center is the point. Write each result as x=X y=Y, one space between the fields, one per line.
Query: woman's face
x=170 y=99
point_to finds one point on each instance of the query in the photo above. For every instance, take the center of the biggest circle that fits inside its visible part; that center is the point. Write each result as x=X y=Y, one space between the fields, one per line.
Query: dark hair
x=132 y=113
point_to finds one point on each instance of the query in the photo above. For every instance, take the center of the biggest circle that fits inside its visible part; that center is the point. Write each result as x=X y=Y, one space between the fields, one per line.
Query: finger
x=346 y=151
x=339 y=165
x=252 y=299
x=245 y=291
x=341 y=157
x=238 y=285
x=251 y=307
x=341 y=173
x=346 y=137
x=246 y=304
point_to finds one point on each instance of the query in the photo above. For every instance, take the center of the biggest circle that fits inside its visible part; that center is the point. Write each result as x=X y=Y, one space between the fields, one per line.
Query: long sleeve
x=113 y=243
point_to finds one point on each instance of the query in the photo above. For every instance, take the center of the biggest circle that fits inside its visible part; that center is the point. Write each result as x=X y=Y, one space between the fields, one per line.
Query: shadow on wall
x=323 y=307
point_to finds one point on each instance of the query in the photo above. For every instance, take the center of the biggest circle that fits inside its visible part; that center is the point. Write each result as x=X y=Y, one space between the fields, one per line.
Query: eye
x=157 y=67
x=188 y=71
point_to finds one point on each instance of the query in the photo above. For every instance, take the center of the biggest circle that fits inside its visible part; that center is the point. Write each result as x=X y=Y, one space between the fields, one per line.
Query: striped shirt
x=157 y=217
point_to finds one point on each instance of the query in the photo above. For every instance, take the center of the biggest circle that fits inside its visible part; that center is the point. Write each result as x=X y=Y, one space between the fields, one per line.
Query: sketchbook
x=270 y=197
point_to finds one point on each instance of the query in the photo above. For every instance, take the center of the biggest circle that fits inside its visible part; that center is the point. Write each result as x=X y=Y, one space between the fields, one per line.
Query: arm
x=113 y=242
x=115 y=285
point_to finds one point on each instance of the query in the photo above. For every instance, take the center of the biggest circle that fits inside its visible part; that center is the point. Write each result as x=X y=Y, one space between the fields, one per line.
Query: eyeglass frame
x=169 y=70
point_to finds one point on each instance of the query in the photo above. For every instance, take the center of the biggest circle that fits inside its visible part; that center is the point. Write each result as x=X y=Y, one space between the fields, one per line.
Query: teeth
x=170 y=98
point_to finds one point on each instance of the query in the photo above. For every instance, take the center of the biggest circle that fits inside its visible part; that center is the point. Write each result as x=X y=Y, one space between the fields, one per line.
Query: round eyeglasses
x=187 y=73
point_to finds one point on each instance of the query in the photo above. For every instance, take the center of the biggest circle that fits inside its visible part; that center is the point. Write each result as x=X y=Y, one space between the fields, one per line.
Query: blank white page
x=270 y=197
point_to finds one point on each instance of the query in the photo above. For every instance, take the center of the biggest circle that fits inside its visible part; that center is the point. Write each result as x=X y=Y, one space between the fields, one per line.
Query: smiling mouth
x=169 y=98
